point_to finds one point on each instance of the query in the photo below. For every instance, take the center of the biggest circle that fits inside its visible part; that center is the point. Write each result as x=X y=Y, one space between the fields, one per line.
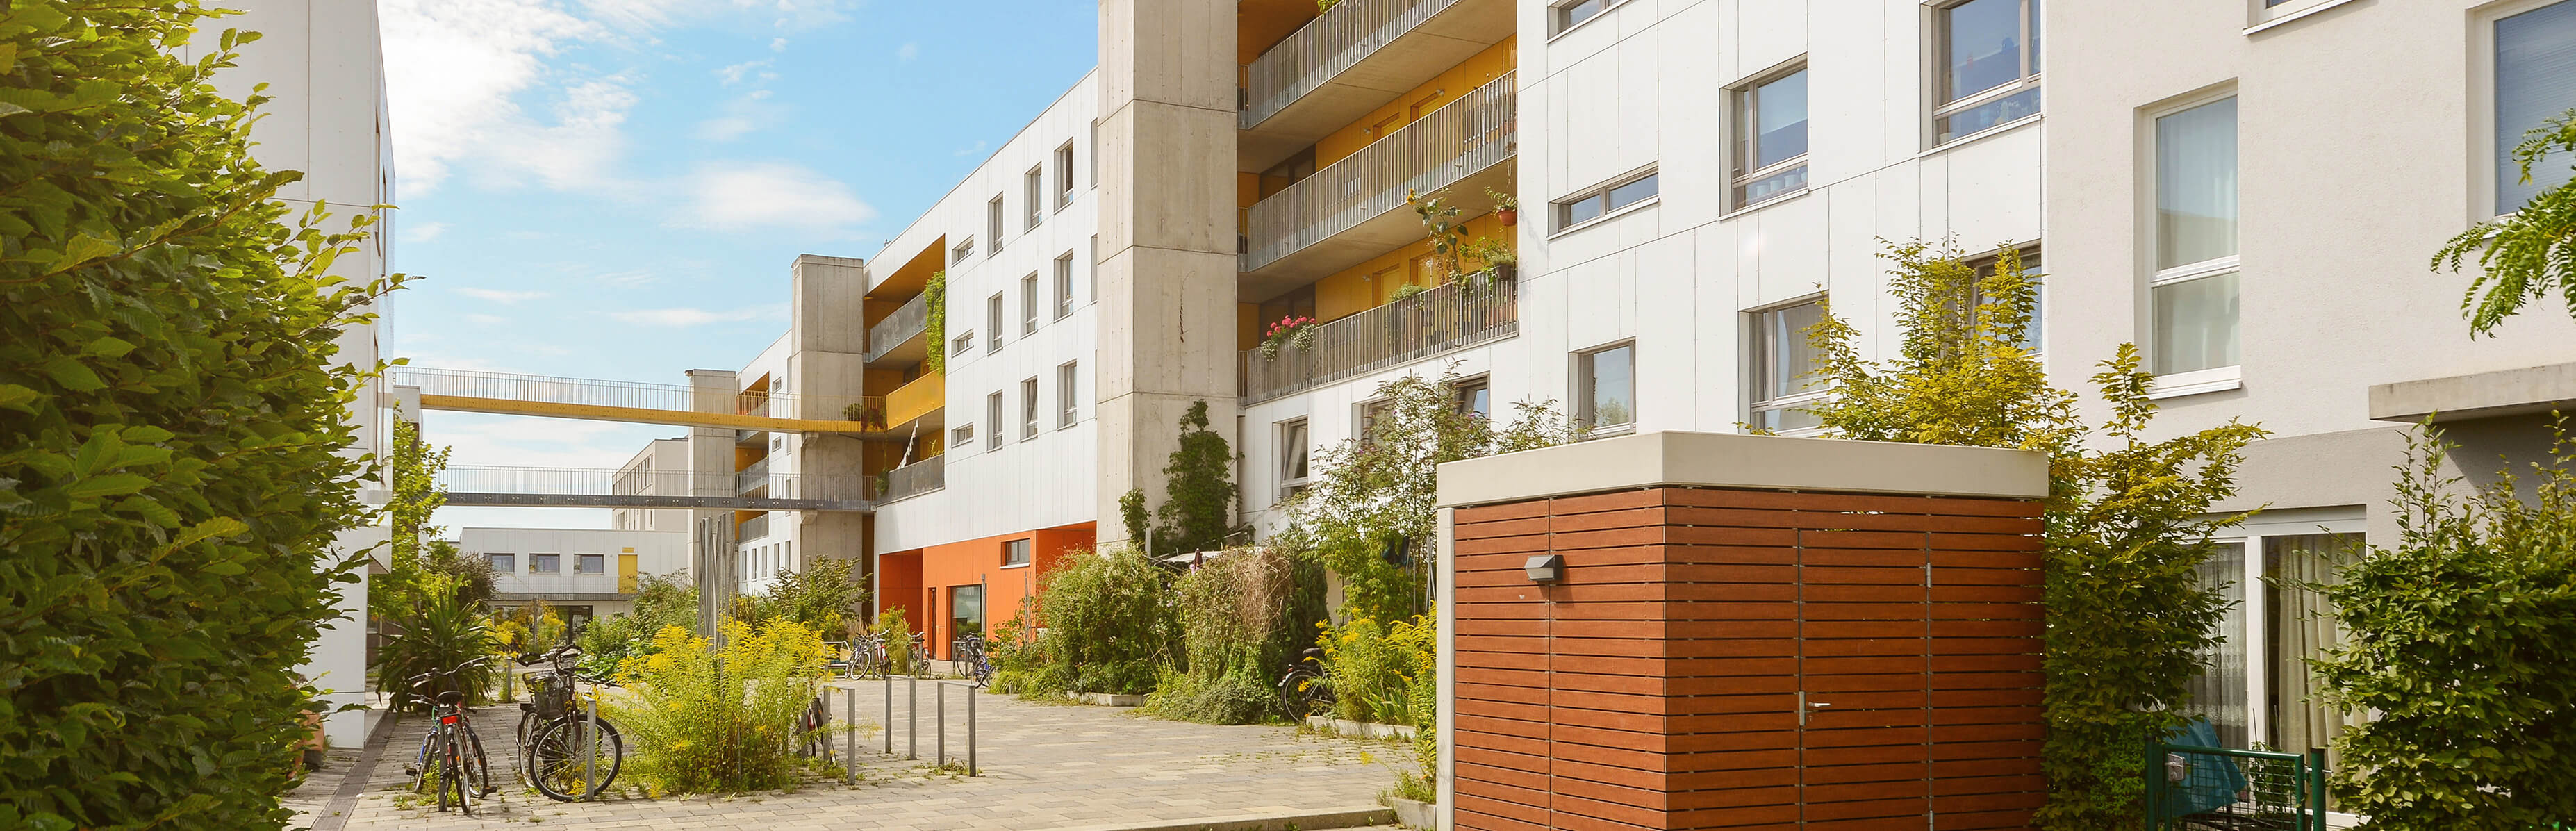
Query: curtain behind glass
x=2535 y=80
x=2196 y=184
x=1787 y=358
x=2219 y=693
x=2300 y=627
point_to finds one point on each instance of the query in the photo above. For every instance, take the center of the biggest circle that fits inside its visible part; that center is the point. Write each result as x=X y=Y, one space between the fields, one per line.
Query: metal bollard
x=943 y=724
x=590 y=760
x=971 y=770
x=850 y=707
x=889 y=719
x=912 y=718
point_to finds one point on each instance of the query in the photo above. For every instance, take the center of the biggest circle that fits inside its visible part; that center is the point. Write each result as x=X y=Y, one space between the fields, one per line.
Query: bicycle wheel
x=478 y=767
x=422 y=764
x=566 y=764
x=813 y=731
x=451 y=773
x=1304 y=692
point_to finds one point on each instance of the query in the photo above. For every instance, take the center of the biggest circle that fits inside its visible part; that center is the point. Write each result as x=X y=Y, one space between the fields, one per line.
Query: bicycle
x=1305 y=690
x=464 y=772
x=967 y=655
x=814 y=728
x=566 y=751
x=919 y=657
x=869 y=656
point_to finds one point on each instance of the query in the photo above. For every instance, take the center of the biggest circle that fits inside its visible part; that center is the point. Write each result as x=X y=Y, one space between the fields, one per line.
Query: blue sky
x=614 y=188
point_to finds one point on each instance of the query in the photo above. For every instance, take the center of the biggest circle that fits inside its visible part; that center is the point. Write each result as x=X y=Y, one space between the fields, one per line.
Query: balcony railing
x=753 y=528
x=910 y=320
x=1448 y=317
x=1334 y=41
x=749 y=478
x=1472 y=133
x=917 y=478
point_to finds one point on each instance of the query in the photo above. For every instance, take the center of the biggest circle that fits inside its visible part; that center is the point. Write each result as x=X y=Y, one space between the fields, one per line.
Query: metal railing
x=753 y=528
x=755 y=476
x=912 y=319
x=2199 y=787
x=917 y=478
x=598 y=393
x=1445 y=318
x=1334 y=41
x=751 y=405
x=599 y=481
x=1477 y=131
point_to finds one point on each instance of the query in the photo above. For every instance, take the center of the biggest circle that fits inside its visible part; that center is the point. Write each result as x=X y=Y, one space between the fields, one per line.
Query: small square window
x=503 y=563
x=589 y=563
x=1476 y=398
x=545 y=563
x=1605 y=394
x=1015 y=553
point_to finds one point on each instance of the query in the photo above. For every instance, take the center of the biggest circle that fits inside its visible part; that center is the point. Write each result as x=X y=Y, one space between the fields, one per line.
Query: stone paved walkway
x=1045 y=766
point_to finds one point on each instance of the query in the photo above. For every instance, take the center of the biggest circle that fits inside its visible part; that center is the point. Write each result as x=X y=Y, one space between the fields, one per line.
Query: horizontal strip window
x=1600 y=202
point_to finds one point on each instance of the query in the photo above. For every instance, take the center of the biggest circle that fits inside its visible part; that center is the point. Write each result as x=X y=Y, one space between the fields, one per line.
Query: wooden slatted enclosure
x=1745 y=658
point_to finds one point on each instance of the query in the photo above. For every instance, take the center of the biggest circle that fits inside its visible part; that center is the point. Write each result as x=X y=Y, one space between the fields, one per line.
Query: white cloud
x=698 y=317
x=978 y=147
x=736 y=195
x=487 y=320
x=778 y=45
x=740 y=116
x=734 y=74
x=423 y=232
x=502 y=296
x=907 y=52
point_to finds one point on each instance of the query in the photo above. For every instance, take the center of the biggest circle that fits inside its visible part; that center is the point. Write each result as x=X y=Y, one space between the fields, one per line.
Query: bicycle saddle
x=450 y=697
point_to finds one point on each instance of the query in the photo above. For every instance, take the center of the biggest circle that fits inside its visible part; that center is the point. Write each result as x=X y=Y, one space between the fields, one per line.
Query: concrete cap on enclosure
x=1731 y=460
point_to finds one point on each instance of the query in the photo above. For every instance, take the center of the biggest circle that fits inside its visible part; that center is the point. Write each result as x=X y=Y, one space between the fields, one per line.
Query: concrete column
x=1167 y=236
x=828 y=359
x=710 y=461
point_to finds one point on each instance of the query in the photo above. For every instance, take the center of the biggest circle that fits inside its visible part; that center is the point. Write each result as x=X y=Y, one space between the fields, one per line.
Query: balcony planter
x=1509 y=216
x=1289 y=331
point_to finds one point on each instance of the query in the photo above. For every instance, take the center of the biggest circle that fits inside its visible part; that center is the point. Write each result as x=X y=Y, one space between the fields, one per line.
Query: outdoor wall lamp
x=1545 y=568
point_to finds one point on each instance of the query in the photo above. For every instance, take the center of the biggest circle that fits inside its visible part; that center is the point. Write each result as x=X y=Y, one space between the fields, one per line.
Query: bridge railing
x=547 y=389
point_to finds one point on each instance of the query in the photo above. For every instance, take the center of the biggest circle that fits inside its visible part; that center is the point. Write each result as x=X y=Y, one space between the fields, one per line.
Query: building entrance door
x=1863 y=612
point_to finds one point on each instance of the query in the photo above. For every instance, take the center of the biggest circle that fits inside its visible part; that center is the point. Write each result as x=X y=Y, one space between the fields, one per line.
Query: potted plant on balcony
x=1499 y=260
x=1293 y=331
x=1506 y=207
x=865 y=412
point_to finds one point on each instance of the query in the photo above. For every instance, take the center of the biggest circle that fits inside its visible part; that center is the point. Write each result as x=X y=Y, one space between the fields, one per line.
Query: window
x=589 y=563
x=1028 y=409
x=1094 y=268
x=1064 y=285
x=993 y=323
x=1029 y=305
x=1570 y=15
x=2268 y=10
x=1065 y=393
x=1064 y=175
x=2535 y=81
x=993 y=225
x=1605 y=391
x=1015 y=553
x=1989 y=53
x=1370 y=412
x=963 y=343
x=965 y=248
x=1293 y=453
x=2031 y=340
x=1601 y=201
x=2193 y=293
x=1476 y=397
x=1095 y=152
x=2257 y=686
x=503 y=563
x=1782 y=365
x=993 y=421
x=1771 y=138
x=545 y=563
x=1034 y=193
x=962 y=436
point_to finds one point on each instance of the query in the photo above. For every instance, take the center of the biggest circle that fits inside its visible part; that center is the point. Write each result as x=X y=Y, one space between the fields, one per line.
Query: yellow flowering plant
x=705 y=719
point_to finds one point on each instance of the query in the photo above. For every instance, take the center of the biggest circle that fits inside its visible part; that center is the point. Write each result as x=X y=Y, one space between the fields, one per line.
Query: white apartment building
x=660 y=469
x=323 y=63
x=580 y=572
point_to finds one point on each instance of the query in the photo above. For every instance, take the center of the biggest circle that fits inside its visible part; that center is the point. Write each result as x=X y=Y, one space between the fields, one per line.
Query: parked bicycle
x=565 y=751
x=1305 y=690
x=919 y=657
x=868 y=656
x=967 y=655
x=451 y=757
x=814 y=728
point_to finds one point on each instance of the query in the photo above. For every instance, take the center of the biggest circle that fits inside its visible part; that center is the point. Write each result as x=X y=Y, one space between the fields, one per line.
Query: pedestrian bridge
x=469 y=391
x=576 y=487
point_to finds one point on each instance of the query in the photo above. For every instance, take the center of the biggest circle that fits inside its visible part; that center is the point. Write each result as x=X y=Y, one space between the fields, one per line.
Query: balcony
x=920 y=398
x=753 y=528
x=1340 y=66
x=755 y=477
x=1355 y=208
x=1446 y=318
x=898 y=339
x=916 y=479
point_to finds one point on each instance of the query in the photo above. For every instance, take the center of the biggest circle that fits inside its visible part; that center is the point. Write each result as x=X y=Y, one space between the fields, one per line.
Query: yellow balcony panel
x=914 y=401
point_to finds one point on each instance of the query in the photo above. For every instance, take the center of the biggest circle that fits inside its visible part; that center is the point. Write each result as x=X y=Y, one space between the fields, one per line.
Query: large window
x=503 y=563
x=1605 y=387
x=1034 y=193
x=1771 y=137
x=1064 y=285
x=993 y=322
x=1593 y=204
x=1989 y=54
x=993 y=225
x=993 y=421
x=2257 y=686
x=1029 y=304
x=2535 y=80
x=1015 y=553
x=1784 y=363
x=1293 y=453
x=1567 y=15
x=2193 y=293
x=1066 y=396
x=1028 y=408
x=545 y=563
x=589 y=563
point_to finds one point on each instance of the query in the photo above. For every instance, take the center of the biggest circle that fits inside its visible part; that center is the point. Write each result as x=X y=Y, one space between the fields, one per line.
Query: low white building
x=585 y=573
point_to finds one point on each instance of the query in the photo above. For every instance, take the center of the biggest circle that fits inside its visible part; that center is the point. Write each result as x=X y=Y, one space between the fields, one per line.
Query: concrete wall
x=656 y=552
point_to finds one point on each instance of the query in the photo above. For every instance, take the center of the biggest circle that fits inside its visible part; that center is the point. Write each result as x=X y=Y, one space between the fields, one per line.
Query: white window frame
x=1937 y=51
x=1582 y=393
x=512 y=567
x=1560 y=211
x=1305 y=441
x=2212 y=379
x=1560 y=19
x=1759 y=357
x=993 y=421
x=1029 y=304
x=1028 y=408
x=2259 y=16
x=962 y=344
x=1742 y=100
x=993 y=321
x=1026 y=550
x=2483 y=158
x=1064 y=175
x=994 y=217
x=1068 y=394
x=1035 y=184
x=1064 y=286
x=2295 y=522
x=962 y=435
x=964 y=249
x=558 y=564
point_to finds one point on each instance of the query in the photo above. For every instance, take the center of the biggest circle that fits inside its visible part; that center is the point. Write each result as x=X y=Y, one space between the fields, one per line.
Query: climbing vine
x=937 y=292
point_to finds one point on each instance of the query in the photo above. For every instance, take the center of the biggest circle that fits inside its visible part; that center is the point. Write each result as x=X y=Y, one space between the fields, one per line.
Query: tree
x=2528 y=255
x=2127 y=520
x=1197 y=513
x=414 y=470
x=173 y=421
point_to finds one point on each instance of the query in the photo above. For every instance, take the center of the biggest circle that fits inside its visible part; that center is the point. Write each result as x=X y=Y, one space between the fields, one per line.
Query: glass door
x=965 y=612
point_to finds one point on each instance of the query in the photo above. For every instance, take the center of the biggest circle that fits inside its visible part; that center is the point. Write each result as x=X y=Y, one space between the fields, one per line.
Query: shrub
x=440 y=635
x=705 y=720
x=2455 y=639
x=1374 y=666
x=1237 y=696
x=661 y=601
x=898 y=640
x=822 y=598
x=172 y=429
x=1241 y=614
x=1109 y=622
